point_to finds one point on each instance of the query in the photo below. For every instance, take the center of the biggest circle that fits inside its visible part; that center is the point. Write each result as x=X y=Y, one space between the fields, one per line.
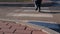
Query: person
x=38 y=4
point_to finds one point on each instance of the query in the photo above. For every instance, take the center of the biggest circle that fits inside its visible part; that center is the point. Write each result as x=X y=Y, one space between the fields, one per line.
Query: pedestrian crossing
x=23 y=14
x=30 y=13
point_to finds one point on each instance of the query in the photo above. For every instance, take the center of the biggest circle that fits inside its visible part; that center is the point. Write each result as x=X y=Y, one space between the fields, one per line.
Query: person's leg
x=40 y=6
x=39 y=9
x=36 y=7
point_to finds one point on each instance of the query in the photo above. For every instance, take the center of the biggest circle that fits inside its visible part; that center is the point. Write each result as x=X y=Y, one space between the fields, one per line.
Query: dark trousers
x=38 y=5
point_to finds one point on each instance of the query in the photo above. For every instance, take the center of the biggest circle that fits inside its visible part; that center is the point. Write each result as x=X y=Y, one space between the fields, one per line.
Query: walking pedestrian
x=38 y=4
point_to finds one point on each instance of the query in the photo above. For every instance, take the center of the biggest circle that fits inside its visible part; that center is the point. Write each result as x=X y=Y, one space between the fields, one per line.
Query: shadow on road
x=52 y=26
x=54 y=3
x=51 y=12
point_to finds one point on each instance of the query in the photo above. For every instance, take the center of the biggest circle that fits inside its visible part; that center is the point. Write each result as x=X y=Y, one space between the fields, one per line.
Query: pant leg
x=39 y=8
x=36 y=5
x=39 y=5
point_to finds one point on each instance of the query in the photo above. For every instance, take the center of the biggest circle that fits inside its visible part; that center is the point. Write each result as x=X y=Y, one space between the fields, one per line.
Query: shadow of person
x=51 y=12
x=59 y=27
x=53 y=3
x=47 y=4
x=55 y=27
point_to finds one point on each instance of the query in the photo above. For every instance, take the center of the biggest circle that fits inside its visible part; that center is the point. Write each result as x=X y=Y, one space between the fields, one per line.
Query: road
x=24 y=13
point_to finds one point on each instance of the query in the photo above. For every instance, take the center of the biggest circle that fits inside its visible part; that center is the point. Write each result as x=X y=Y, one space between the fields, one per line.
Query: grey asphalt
x=4 y=11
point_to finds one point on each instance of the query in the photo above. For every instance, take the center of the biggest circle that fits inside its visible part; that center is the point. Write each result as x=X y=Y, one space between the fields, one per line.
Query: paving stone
x=1 y=32
x=22 y=32
x=3 y=23
x=14 y=24
x=8 y=33
x=8 y=30
x=5 y=26
x=38 y=32
x=18 y=27
x=28 y=28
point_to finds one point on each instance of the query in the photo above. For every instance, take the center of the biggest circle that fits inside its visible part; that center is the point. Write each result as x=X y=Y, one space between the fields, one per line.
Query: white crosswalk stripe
x=20 y=10
x=31 y=15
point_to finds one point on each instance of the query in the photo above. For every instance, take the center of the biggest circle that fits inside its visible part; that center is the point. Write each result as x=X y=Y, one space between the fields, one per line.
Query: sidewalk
x=10 y=27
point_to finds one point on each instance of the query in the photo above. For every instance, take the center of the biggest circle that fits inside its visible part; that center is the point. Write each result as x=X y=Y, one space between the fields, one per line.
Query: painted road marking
x=30 y=15
x=30 y=10
x=45 y=10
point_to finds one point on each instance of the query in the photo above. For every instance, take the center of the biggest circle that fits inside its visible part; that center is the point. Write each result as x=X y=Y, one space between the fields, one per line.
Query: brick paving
x=9 y=27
